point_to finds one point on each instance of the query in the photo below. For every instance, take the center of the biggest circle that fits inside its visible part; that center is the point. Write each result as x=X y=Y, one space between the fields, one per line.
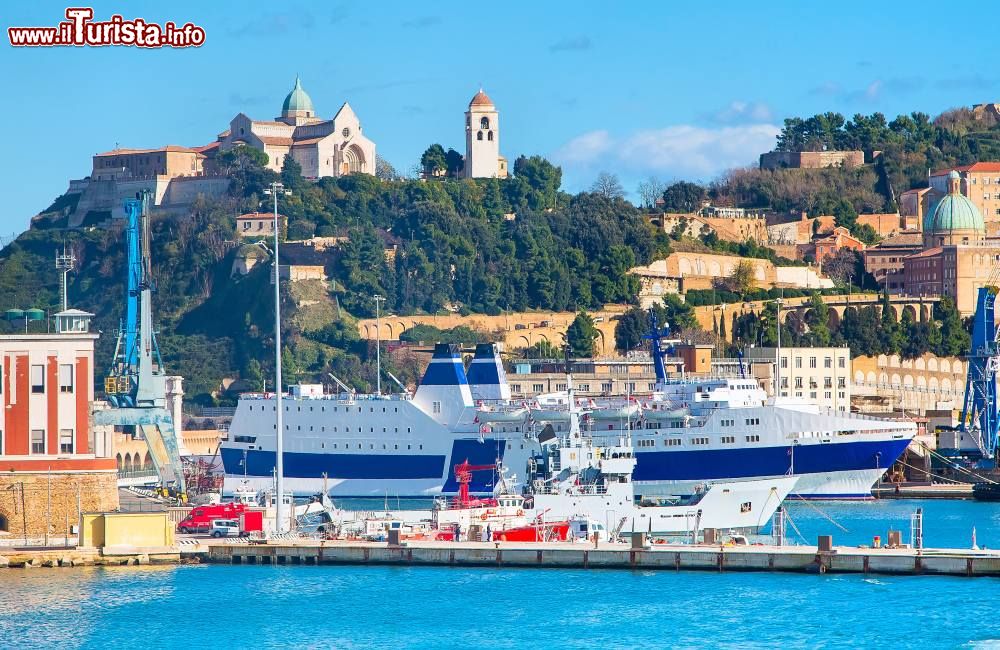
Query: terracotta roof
x=259 y=215
x=902 y=239
x=988 y=167
x=481 y=99
x=173 y=148
x=918 y=190
x=306 y=141
x=930 y=252
x=276 y=141
x=207 y=147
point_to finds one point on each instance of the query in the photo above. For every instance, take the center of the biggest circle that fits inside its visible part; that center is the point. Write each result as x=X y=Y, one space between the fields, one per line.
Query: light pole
x=274 y=190
x=378 y=343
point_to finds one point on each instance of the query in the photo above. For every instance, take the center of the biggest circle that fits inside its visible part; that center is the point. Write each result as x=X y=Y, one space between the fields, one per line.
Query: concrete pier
x=802 y=559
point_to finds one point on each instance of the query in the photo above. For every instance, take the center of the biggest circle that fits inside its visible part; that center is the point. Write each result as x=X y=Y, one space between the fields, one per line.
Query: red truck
x=200 y=519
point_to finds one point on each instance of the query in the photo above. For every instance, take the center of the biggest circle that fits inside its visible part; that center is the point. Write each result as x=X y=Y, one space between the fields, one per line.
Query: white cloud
x=740 y=111
x=682 y=151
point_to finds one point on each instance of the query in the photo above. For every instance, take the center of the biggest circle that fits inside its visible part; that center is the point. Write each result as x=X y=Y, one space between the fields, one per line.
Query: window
x=436 y=407
x=812 y=362
x=784 y=382
x=479 y=136
x=516 y=388
x=37 y=379
x=65 y=441
x=828 y=362
x=841 y=361
x=798 y=362
x=489 y=136
x=484 y=123
x=66 y=378
x=798 y=382
x=784 y=362
x=827 y=382
x=606 y=388
x=537 y=388
x=585 y=388
x=841 y=382
x=37 y=441
x=754 y=438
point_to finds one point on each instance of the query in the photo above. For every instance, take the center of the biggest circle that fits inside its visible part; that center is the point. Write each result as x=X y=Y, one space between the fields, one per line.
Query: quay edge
x=801 y=559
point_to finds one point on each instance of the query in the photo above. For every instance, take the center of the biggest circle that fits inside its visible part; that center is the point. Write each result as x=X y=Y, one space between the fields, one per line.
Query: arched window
x=489 y=136
x=484 y=123
x=479 y=136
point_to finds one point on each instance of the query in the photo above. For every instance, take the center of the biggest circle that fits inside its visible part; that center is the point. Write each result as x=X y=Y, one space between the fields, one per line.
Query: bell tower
x=482 y=139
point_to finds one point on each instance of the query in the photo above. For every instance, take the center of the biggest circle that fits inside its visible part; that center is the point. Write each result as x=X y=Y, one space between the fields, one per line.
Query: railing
x=137 y=477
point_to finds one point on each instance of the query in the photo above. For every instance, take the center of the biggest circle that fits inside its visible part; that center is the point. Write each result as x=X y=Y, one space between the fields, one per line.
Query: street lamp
x=274 y=190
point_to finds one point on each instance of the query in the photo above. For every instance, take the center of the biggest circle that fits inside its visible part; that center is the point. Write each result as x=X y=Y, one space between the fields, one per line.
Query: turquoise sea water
x=371 y=607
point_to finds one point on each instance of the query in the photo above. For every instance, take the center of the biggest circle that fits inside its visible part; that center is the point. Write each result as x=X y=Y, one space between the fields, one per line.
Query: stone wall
x=49 y=499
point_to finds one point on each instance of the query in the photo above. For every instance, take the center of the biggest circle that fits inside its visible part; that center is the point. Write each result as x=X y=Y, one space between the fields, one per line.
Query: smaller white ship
x=576 y=478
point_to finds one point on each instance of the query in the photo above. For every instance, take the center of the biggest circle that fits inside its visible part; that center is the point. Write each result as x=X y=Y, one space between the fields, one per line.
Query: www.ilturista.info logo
x=80 y=30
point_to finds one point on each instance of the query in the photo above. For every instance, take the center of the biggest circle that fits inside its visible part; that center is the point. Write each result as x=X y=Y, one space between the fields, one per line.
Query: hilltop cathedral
x=322 y=147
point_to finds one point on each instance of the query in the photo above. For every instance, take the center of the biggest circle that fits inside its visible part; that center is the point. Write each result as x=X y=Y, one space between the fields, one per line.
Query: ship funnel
x=444 y=393
x=487 y=378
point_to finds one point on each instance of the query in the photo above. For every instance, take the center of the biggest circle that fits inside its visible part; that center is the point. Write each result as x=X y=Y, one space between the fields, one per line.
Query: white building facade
x=818 y=375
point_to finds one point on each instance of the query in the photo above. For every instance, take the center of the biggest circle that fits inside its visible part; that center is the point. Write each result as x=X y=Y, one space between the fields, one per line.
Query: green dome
x=297 y=100
x=954 y=212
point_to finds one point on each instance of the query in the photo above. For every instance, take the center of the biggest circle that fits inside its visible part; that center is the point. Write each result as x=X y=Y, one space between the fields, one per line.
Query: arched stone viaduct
x=919 y=308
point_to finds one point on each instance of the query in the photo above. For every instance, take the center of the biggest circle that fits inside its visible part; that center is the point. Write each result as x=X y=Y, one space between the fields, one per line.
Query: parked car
x=225 y=528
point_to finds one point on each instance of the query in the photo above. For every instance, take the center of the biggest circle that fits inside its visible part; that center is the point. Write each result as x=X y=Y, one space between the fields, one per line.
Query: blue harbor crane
x=980 y=409
x=656 y=336
x=136 y=383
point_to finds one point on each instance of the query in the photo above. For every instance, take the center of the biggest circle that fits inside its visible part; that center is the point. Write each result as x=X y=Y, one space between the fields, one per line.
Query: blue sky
x=671 y=89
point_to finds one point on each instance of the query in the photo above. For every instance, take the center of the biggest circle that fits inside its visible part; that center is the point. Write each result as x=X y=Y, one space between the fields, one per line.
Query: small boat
x=487 y=414
x=623 y=412
x=546 y=531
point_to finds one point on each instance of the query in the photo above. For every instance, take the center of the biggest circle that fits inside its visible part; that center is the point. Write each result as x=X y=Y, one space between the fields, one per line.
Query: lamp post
x=378 y=343
x=274 y=190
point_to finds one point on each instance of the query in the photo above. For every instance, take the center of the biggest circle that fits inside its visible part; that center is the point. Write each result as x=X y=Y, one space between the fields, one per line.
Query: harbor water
x=437 y=607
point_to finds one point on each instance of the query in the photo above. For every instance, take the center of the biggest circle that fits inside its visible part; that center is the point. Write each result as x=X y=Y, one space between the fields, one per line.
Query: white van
x=225 y=528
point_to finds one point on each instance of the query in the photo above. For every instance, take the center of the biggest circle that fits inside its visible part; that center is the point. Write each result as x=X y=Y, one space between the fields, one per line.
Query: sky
x=675 y=90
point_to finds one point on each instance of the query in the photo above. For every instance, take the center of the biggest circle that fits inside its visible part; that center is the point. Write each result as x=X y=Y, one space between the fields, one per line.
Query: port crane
x=136 y=383
x=979 y=408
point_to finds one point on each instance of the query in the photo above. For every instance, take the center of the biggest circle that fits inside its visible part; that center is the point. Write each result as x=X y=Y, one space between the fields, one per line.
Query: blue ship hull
x=378 y=467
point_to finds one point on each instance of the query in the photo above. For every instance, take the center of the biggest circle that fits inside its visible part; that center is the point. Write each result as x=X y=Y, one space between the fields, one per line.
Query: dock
x=936 y=491
x=676 y=557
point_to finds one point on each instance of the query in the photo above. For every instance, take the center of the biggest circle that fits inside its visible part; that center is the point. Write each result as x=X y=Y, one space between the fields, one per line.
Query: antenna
x=65 y=262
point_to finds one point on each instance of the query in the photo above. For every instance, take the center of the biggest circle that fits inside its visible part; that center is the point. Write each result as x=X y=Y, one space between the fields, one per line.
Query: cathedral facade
x=334 y=147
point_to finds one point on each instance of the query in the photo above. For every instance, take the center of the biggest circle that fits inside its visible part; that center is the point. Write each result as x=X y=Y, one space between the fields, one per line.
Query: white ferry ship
x=376 y=445
x=690 y=431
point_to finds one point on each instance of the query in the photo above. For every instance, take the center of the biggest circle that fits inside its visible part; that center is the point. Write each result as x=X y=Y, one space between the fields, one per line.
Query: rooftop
x=986 y=166
x=172 y=148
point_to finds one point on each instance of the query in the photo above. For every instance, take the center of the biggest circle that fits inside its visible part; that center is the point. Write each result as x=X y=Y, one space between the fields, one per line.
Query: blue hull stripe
x=336 y=466
x=374 y=466
x=765 y=461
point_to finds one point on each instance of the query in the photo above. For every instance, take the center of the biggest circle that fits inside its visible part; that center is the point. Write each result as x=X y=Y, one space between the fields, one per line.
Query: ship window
x=395 y=446
x=334 y=445
x=408 y=446
x=371 y=446
x=359 y=445
x=322 y=445
x=407 y=429
x=298 y=408
x=383 y=446
x=421 y=446
x=395 y=409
